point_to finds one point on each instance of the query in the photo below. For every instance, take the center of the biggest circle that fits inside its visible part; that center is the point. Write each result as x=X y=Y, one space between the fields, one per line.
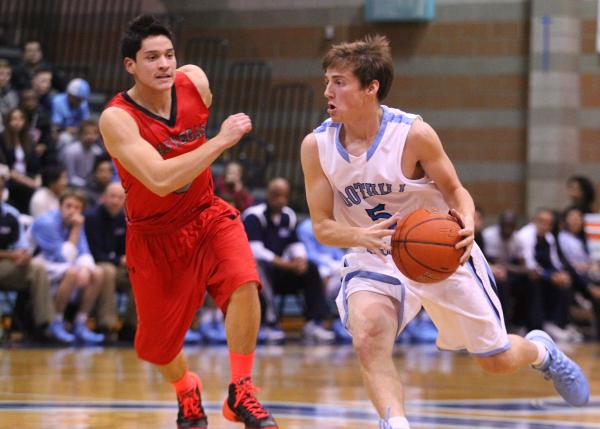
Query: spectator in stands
x=46 y=198
x=586 y=272
x=40 y=128
x=103 y=175
x=60 y=236
x=231 y=188
x=69 y=110
x=18 y=152
x=105 y=230
x=41 y=84
x=282 y=260
x=18 y=272
x=329 y=261
x=9 y=99
x=79 y=156
x=33 y=60
x=549 y=278
x=504 y=252
x=581 y=194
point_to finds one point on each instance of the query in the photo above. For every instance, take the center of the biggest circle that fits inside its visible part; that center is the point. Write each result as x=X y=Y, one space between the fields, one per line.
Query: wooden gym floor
x=304 y=386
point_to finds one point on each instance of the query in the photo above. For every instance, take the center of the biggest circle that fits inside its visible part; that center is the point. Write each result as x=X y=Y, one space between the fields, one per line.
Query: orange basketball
x=423 y=246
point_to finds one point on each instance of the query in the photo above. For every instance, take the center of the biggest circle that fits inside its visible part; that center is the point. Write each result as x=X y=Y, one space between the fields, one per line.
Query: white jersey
x=372 y=186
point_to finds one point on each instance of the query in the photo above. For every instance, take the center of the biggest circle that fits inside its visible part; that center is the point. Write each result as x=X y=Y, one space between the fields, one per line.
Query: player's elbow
x=320 y=232
x=158 y=186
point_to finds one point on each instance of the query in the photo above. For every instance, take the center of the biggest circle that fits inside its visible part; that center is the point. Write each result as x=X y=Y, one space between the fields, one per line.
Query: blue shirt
x=317 y=252
x=50 y=234
x=64 y=116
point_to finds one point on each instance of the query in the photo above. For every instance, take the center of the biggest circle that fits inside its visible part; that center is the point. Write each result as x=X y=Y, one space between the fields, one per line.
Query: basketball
x=423 y=246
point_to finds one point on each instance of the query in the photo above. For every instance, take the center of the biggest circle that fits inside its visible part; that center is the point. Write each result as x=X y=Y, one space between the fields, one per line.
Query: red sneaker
x=242 y=406
x=191 y=414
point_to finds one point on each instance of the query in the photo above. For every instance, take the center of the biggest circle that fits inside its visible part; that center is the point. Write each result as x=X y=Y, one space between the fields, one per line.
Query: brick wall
x=466 y=73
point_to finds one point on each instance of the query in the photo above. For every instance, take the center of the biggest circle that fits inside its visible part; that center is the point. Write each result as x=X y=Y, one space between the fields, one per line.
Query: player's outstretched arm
x=319 y=196
x=163 y=176
x=428 y=149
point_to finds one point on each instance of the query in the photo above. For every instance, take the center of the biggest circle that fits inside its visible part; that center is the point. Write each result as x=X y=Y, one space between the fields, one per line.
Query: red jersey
x=184 y=131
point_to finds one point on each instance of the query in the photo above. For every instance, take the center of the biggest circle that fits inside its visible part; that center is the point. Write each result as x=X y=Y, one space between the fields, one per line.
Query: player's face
x=154 y=64
x=343 y=93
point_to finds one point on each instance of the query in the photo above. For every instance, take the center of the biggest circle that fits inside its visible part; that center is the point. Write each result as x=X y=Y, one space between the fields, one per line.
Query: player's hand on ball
x=467 y=232
x=377 y=237
x=234 y=128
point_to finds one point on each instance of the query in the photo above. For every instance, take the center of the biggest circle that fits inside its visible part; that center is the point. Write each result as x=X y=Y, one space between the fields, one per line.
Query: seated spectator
x=39 y=128
x=581 y=194
x=9 y=99
x=327 y=258
x=550 y=282
x=32 y=61
x=231 y=188
x=329 y=261
x=282 y=262
x=41 y=84
x=69 y=110
x=105 y=230
x=18 y=272
x=18 y=152
x=102 y=176
x=586 y=272
x=504 y=252
x=79 y=156
x=63 y=244
x=45 y=198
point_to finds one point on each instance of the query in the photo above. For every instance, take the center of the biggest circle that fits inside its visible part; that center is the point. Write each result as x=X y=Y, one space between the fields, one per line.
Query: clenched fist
x=234 y=128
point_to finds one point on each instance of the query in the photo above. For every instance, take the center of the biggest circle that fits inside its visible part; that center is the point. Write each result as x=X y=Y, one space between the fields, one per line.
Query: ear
x=129 y=64
x=373 y=88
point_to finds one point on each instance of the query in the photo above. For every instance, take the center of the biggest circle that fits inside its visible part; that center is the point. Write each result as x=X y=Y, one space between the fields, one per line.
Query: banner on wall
x=592 y=232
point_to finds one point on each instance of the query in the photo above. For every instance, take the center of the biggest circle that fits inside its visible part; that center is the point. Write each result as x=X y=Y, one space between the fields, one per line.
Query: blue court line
x=284 y=409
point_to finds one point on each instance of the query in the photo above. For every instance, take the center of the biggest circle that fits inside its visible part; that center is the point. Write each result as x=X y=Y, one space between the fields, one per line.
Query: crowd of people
x=63 y=221
x=63 y=235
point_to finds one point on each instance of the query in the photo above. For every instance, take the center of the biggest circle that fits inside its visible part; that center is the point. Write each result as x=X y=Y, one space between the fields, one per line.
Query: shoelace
x=560 y=368
x=191 y=404
x=244 y=393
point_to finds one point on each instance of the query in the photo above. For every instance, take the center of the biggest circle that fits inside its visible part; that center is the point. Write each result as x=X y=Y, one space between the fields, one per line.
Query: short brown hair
x=4 y=64
x=73 y=193
x=370 y=59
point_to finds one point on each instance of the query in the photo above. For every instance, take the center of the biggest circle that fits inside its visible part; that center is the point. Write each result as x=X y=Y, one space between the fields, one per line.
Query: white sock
x=81 y=318
x=542 y=355
x=58 y=318
x=398 y=423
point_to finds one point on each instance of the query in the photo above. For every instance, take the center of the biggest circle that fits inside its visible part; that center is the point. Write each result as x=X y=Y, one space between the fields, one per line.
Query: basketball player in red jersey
x=182 y=240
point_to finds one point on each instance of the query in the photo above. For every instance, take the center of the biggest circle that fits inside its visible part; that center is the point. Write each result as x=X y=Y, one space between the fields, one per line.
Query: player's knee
x=501 y=363
x=367 y=333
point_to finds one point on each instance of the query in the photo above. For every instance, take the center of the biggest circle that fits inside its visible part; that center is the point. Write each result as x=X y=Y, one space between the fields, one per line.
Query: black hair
x=139 y=28
x=51 y=174
x=100 y=159
x=588 y=191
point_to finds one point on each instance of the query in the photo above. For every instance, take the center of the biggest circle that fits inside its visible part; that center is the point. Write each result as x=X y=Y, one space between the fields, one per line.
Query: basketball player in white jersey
x=364 y=168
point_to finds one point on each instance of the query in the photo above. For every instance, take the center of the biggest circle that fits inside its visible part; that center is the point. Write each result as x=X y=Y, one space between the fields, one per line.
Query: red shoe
x=242 y=406
x=191 y=414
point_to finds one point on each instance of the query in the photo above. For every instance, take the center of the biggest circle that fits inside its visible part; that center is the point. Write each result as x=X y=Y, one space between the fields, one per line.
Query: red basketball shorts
x=171 y=271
